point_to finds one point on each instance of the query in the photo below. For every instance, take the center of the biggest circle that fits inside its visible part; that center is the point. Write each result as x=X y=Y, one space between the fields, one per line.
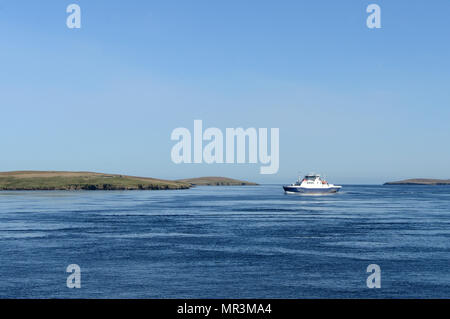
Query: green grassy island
x=54 y=180
x=421 y=181
x=214 y=181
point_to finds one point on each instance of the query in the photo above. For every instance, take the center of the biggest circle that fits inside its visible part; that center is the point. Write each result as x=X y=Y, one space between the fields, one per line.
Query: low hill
x=55 y=180
x=214 y=181
x=421 y=181
x=52 y=180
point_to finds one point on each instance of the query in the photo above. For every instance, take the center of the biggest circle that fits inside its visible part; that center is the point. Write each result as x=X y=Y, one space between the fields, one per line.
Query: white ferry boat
x=311 y=184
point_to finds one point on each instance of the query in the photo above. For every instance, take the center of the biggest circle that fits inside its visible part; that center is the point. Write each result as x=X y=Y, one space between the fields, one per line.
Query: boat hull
x=310 y=190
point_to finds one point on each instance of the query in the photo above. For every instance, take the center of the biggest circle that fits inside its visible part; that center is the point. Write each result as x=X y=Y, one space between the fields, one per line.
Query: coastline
x=72 y=181
x=420 y=181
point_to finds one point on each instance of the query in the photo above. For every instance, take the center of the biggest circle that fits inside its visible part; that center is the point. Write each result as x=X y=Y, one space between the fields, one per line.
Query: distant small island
x=214 y=181
x=421 y=181
x=54 y=180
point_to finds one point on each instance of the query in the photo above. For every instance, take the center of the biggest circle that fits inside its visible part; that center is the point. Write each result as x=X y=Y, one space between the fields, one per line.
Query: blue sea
x=226 y=242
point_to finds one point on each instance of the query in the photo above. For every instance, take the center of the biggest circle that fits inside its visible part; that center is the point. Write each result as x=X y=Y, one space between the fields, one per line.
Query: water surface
x=226 y=242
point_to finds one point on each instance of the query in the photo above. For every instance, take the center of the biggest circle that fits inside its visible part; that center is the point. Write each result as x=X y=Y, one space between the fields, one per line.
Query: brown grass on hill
x=44 y=174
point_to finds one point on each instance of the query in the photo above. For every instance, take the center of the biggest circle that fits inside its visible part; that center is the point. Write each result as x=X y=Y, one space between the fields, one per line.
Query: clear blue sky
x=359 y=105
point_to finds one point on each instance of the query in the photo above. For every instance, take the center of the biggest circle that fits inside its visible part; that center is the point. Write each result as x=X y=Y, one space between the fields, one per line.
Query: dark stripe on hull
x=291 y=189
